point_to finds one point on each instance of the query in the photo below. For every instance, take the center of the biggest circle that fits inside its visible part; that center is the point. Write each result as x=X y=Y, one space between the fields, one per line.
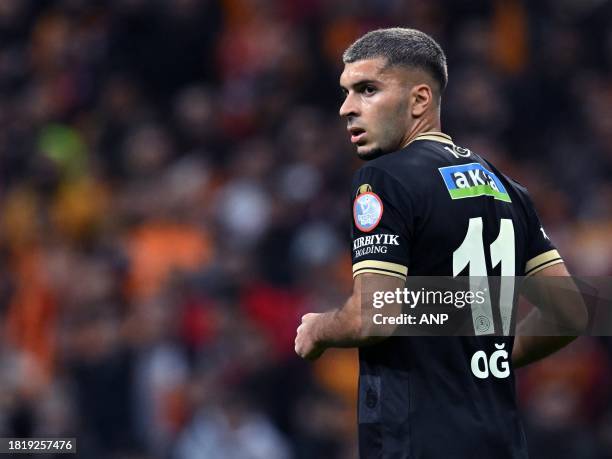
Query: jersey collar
x=435 y=136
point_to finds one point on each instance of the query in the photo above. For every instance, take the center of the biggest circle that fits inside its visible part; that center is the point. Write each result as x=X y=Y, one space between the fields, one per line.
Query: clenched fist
x=306 y=345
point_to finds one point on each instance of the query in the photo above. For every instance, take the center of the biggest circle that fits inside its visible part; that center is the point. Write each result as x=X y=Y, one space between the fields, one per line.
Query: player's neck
x=421 y=126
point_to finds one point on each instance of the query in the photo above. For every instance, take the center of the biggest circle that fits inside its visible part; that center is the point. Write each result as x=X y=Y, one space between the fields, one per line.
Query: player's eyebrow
x=360 y=84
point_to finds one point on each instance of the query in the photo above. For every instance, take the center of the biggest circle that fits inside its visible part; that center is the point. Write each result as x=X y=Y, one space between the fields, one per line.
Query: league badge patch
x=367 y=211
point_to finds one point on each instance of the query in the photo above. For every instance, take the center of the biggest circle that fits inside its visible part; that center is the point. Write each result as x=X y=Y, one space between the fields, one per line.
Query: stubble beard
x=371 y=154
x=391 y=133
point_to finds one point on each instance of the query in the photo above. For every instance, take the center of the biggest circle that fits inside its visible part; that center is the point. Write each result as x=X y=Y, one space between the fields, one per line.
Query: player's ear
x=422 y=99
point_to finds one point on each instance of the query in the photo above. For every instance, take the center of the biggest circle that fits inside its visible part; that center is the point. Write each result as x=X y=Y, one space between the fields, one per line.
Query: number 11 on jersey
x=471 y=253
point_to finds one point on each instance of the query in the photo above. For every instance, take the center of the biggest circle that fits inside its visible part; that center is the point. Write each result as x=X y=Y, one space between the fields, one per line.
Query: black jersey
x=436 y=209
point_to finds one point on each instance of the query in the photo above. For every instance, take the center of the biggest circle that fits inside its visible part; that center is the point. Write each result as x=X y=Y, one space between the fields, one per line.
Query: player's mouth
x=357 y=134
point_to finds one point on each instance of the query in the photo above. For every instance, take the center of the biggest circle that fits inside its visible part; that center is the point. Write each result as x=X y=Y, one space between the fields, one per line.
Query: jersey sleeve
x=381 y=224
x=541 y=252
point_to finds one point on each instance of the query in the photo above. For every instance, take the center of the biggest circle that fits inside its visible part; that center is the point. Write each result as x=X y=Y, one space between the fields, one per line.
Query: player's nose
x=348 y=107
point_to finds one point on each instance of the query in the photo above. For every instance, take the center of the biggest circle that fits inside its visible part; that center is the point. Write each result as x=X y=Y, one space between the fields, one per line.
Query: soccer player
x=424 y=206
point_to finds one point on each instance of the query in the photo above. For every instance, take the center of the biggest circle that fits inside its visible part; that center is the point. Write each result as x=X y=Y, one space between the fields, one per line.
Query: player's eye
x=369 y=90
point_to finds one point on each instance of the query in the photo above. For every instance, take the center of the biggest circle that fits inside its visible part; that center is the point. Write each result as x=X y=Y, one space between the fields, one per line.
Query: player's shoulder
x=376 y=176
x=405 y=165
x=518 y=192
x=516 y=187
x=381 y=168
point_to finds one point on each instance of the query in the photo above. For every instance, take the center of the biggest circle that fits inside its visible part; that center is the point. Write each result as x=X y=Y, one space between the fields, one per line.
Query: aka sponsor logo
x=471 y=180
x=367 y=211
x=377 y=243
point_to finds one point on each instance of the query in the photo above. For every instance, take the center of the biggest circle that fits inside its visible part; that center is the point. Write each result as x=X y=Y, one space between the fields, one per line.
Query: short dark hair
x=400 y=46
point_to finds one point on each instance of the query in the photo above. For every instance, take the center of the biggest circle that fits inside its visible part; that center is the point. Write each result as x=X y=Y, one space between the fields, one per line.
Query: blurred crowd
x=174 y=195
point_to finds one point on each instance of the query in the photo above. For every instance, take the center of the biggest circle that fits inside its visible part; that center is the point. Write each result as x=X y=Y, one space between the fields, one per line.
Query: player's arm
x=381 y=227
x=347 y=326
x=560 y=313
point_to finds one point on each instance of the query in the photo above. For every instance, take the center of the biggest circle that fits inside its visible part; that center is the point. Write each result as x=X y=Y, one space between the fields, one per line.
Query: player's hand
x=306 y=345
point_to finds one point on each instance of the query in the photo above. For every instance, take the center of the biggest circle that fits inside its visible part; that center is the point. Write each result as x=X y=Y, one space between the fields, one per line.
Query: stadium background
x=174 y=195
